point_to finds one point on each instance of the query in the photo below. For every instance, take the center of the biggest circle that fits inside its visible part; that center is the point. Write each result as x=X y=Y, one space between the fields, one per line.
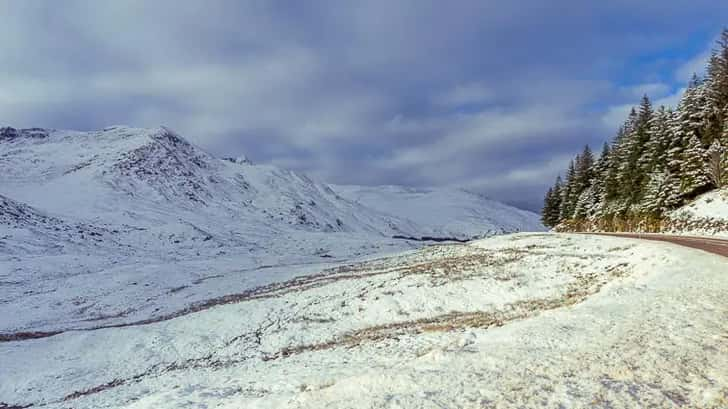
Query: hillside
x=123 y=224
x=444 y=212
x=707 y=215
x=124 y=175
x=154 y=177
x=525 y=320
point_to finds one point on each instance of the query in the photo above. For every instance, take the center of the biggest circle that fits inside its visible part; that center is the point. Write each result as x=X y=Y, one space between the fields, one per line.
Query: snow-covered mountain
x=152 y=180
x=136 y=181
x=444 y=212
x=124 y=224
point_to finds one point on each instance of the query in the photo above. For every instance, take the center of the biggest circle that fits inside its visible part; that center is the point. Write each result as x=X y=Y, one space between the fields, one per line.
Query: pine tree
x=584 y=204
x=613 y=203
x=630 y=175
x=677 y=143
x=567 y=193
x=584 y=170
x=661 y=194
x=724 y=165
x=551 y=212
x=655 y=156
x=643 y=134
x=694 y=174
x=690 y=119
x=724 y=134
x=716 y=156
x=651 y=202
x=599 y=182
x=631 y=122
x=716 y=91
x=555 y=216
x=548 y=208
x=724 y=142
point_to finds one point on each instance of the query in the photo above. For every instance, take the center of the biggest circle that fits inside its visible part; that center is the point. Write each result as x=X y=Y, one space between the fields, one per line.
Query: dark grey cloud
x=487 y=95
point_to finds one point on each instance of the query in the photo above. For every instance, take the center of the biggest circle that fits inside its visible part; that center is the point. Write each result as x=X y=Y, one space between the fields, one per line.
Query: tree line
x=659 y=160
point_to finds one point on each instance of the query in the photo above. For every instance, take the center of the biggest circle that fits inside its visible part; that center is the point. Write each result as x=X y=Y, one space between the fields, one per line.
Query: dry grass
x=441 y=264
x=584 y=286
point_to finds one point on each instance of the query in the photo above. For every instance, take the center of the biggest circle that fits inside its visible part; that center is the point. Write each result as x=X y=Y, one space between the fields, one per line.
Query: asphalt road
x=711 y=245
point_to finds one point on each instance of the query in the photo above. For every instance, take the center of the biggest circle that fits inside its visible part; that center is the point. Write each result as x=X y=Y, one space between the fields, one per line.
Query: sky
x=491 y=96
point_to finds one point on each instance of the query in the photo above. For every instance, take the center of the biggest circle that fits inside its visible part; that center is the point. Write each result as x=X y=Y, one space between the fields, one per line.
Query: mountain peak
x=121 y=172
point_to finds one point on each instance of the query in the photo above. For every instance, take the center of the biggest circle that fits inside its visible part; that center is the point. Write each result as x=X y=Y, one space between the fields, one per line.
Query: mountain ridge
x=128 y=224
x=449 y=212
x=88 y=173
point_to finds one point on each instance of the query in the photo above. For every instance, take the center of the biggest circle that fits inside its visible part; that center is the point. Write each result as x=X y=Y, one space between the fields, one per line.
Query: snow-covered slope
x=707 y=215
x=25 y=230
x=126 y=175
x=138 y=271
x=126 y=224
x=91 y=222
x=153 y=180
x=444 y=212
x=519 y=321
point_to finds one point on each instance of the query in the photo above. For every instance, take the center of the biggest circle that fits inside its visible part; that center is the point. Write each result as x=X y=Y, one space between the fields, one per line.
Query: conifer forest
x=660 y=159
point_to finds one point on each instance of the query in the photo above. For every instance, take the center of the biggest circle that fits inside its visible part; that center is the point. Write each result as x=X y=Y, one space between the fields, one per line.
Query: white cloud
x=476 y=132
x=539 y=173
x=615 y=116
x=315 y=86
x=652 y=89
x=671 y=100
x=473 y=93
x=695 y=65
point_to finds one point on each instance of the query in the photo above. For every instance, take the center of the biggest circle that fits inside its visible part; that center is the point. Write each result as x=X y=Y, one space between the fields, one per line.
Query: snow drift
x=706 y=215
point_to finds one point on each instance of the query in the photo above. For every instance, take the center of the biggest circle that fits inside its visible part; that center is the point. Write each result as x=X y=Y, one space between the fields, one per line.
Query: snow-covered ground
x=519 y=320
x=705 y=216
x=137 y=270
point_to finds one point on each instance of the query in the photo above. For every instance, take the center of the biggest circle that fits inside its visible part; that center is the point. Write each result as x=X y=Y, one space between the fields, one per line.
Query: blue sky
x=486 y=95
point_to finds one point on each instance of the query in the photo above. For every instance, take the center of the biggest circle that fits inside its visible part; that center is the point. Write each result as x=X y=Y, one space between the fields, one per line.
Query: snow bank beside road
x=706 y=216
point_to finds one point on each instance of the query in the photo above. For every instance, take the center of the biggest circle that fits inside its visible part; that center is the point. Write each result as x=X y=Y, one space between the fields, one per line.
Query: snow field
x=517 y=320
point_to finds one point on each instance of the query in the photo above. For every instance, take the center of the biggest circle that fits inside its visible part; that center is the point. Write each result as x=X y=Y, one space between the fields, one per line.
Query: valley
x=363 y=205
x=124 y=225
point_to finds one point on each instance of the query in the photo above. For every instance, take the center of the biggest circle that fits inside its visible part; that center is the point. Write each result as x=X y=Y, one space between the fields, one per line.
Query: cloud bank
x=485 y=95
